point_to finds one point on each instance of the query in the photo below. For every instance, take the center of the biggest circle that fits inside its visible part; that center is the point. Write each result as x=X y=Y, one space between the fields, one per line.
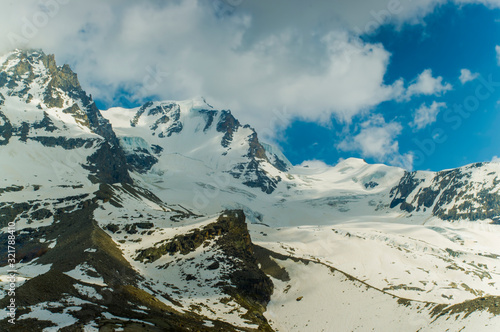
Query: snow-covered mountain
x=193 y=133
x=174 y=216
x=44 y=111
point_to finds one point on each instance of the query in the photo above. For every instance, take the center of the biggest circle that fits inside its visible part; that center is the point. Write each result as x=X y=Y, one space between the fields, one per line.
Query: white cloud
x=426 y=115
x=467 y=76
x=425 y=84
x=182 y=49
x=314 y=164
x=497 y=49
x=254 y=58
x=377 y=139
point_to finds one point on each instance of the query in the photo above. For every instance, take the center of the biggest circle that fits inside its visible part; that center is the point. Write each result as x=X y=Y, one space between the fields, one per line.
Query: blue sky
x=449 y=40
x=389 y=81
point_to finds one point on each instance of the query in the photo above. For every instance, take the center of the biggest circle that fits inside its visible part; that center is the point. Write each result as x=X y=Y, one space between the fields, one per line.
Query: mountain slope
x=469 y=192
x=76 y=274
x=154 y=132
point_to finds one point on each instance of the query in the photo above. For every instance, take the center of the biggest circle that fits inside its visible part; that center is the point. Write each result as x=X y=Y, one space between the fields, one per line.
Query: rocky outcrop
x=251 y=172
x=227 y=125
x=5 y=129
x=254 y=176
x=452 y=194
x=165 y=118
x=209 y=118
x=250 y=286
x=108 y=165
x=400 y=193
x=245 y=282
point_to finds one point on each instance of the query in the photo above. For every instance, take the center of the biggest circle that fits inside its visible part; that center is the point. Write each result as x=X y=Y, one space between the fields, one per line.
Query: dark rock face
x=251 y=172
x=9 y=212
x=209 y=118
x=228 y=125
x=450 y=195
x=60 y=83
x=46 y=124
x=5 y=130
x=156 y=149
x=109 y=165
x=256 y=149
x=64 y=142
x=255 y=177
x=280 y=164
x=141 y=160
x=250 y=282
x=405 y=187
x=80 y=116
x=371 y=184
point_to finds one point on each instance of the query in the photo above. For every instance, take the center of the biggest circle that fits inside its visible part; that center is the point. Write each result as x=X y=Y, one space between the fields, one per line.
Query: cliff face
x=240 y=276
x=466 y=193
x=45 y=103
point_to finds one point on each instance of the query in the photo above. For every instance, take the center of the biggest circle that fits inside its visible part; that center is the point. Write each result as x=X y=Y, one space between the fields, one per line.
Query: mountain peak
x=155 y=132
x=44 y=103
x=33 y=75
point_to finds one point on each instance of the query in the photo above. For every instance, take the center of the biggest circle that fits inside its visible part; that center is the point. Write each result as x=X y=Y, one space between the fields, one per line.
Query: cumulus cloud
x=467 y=76
x=497 y=49
x=239 y=59
x=314 y=164
x=377 y=139
x=254 y=57
x=426 y=84
x=426 y=115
